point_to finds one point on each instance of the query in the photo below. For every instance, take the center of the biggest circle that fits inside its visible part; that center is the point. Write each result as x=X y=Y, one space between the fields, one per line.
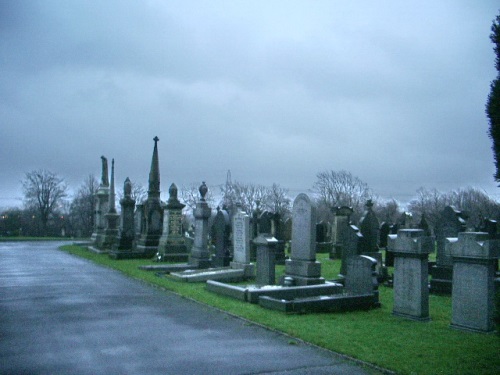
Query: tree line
x=49 y=211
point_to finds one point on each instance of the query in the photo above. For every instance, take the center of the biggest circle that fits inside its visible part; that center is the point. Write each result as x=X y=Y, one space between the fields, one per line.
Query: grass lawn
x=375 y=336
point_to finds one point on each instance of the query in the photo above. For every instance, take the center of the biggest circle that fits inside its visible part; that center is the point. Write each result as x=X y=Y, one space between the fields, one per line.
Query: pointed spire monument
x=111 y=232
x=147 y=244
x=101 y=205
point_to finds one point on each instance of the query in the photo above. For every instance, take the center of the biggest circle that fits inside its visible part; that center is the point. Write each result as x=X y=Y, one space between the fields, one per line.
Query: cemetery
x=255 y=266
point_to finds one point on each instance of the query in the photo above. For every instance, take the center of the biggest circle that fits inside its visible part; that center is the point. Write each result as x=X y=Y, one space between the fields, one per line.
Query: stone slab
x=319 y=304
x=197 y=276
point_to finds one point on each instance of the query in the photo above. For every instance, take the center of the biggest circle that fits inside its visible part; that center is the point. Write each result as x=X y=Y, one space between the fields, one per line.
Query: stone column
x=200 y=256
x=111 y=232
x=127 y=228
x=411 y=292
x=474 y=261
x=101 y=205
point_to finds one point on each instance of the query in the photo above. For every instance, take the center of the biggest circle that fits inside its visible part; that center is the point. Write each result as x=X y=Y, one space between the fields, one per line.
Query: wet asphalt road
x=60 y=314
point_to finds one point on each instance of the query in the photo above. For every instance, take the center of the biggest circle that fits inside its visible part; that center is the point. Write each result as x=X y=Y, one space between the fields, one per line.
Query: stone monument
x=172 y=245
x=101 y=205
x=302 y=266
x=111 y=231
x=147 y=245
x=411 y=291
x=127 y=230
x=200 y=256
x=474 y=258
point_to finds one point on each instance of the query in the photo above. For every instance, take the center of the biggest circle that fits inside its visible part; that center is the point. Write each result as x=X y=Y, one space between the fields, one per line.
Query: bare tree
x=341 y=188
x=387 y=210
x=190 y=196
x=277 y=200
x=139 y=193
x=43 y=191
x=82 y=209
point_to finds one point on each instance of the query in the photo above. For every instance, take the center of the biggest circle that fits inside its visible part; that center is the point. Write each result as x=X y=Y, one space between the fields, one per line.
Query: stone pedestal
x=102 y=207
x=200 y=256
x=172 y=245
x=411 y=292
x=266 y=255
x=474 y=261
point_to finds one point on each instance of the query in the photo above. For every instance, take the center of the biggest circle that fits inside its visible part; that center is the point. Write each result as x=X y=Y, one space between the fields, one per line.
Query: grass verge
x=375 y=336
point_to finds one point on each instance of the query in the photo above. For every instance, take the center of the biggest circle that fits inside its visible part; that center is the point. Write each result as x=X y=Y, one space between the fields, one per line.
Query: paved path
x=61 y=314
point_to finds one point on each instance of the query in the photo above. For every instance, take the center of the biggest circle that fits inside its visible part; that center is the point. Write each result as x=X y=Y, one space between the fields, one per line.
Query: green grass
x=374 y=336
x=24 y=239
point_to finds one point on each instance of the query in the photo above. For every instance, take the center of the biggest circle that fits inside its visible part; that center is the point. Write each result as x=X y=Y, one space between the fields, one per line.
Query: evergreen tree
x=493 y=103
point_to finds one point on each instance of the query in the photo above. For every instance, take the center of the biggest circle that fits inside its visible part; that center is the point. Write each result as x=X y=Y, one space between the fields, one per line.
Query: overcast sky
x=275 y=91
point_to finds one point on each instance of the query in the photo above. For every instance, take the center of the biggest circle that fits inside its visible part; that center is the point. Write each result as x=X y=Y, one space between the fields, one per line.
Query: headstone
x=361 y=276
x=127 y=230
x=221 y=231
x=369 y=227
x=424 y=225
x=139 y=222
x=451 y=222
x=200 y=255
x=340 y=228
x=323 y=244
x=389 y=256
x=474 y=258
x=351 y=246
x=385 y=230
x=241 y=239
x=411 y=292
x=172 y=245
x=405 y=220
x=321 y=231
x=302 y=265
x=266 y=273
x=147 y=245
x=287 y=230
x=278 y=233
x=265 y=223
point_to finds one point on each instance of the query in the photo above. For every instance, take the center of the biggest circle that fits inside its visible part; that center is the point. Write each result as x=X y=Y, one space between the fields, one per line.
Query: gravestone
x=101 y=205
x=241 y=243
x=340 y=228
x=405 y=220
x=127 y=230
x=200 y=255
x=265 y=223
x=147 y=244
x=139 y=222
x=221 y=230
x=111 y=232
x=302 y=265
x=474 y=258
x=385 y=230
x=266 y=274
x=278 y=233
x=362 y=277
x=451 y=222
x=172 y=245
x=351 y=246
x=411 y=292
x=287 y=230
x=369 y=227
x=424 y=225
x=323 y=244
